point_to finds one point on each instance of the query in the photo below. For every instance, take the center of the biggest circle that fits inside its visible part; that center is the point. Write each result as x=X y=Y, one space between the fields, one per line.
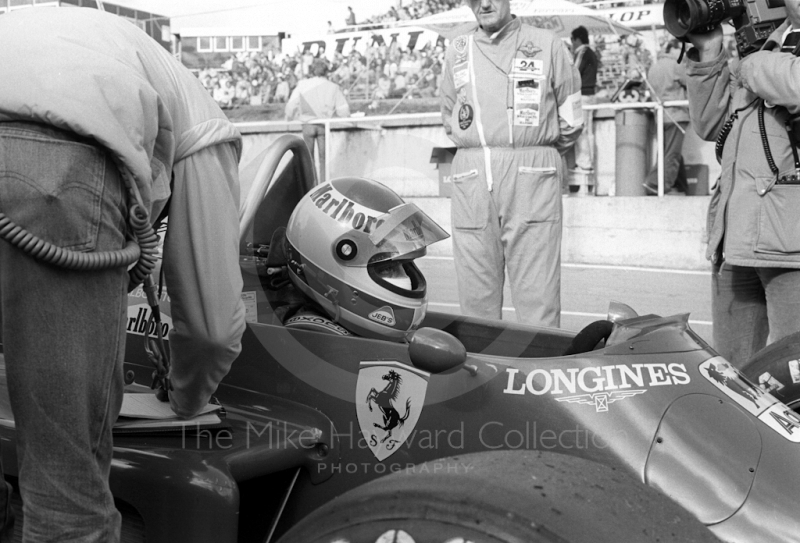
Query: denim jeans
x=753 y=307
x=674 y=168
x=316 y=133
x=584 y=146
x=62 y=331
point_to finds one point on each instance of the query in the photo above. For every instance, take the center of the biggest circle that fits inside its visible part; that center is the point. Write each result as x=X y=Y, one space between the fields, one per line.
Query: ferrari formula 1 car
x=632 y=430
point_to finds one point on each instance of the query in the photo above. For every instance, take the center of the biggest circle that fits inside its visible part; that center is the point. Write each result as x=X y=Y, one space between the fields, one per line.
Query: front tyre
x=502 y=497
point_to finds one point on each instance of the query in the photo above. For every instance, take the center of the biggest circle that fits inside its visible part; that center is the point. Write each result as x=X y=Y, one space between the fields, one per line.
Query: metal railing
x=364 y=123
x=374 y=123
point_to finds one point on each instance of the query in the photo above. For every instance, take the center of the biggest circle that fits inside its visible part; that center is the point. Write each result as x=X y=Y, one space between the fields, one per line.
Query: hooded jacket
x=753 y=220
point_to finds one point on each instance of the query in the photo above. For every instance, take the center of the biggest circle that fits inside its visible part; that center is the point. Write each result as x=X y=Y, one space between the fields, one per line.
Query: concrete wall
x=664 y=232
x=653 y=232
x=396 y=153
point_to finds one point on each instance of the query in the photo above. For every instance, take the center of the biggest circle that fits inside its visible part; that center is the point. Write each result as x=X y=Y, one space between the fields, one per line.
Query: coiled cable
x=764 y=141
x=142 y=249
x=726 y=130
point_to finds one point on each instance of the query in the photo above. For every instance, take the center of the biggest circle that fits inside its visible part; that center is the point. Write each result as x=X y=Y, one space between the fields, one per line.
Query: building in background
x=156 y=26
x=204 y=48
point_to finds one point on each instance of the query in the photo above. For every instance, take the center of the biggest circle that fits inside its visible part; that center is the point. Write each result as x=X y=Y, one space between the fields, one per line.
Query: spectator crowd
x=417 y=10
x=384 y=71
x=380 y=72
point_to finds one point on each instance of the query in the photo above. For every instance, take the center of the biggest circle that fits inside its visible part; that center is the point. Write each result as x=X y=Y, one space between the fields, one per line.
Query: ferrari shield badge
x=389 y=400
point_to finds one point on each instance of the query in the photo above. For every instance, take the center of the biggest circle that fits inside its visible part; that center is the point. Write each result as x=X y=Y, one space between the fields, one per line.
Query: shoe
x=674 y=192
x=649 y=191
x=582 y=170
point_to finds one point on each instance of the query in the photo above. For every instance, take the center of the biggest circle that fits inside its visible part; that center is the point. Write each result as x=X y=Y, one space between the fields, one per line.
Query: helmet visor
x=402 y=231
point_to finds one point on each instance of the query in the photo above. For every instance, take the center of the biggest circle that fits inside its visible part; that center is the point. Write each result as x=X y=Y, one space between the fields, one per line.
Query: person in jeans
x=750 y=108
x=316 y=98
x=586 y=60
x=97 y=101
x=667 y=78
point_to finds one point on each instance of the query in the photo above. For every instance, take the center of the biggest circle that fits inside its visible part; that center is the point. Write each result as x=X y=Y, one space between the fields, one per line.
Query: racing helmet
x=351 y=247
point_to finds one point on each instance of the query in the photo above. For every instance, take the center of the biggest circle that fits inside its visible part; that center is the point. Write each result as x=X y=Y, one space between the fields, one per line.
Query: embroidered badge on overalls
x=460 y=44
x=529 y=50
x=465 y=116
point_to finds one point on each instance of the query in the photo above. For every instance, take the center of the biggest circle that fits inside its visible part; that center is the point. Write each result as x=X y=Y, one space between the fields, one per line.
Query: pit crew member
x=88 y=100
x=511 y=102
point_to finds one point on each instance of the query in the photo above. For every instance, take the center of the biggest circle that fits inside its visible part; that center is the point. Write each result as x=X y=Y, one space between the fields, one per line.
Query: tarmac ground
x=587 y=289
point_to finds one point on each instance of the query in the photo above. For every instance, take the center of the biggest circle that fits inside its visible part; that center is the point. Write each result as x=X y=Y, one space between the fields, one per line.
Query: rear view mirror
x=435 y=351
x=617 y=311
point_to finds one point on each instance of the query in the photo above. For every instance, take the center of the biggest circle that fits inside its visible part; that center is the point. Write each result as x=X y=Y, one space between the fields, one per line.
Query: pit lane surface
x=587 y=289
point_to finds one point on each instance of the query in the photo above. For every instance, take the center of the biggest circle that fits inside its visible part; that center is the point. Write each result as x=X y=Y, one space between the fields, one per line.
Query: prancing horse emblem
x=384 y=400
x=398 y=392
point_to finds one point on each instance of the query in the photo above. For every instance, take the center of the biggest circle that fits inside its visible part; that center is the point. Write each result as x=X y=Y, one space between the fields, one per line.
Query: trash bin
x=632 y=139
x=697 y=179
x=443 y=158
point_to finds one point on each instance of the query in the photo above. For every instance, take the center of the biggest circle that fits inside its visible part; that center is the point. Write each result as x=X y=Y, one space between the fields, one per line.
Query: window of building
x=221 y=43
x=204 y=44
x=20 y=3
x=237 y=43
x=254 y=43
x=126 y=12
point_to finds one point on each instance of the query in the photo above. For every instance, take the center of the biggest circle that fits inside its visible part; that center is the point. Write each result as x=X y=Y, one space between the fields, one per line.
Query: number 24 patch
x=528 y=67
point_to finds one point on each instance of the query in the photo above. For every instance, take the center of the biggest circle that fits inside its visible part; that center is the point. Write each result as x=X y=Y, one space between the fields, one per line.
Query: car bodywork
x=310 y=416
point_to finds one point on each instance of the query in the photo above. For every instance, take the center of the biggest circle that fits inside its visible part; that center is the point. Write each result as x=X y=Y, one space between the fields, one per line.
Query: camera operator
x=747 y=106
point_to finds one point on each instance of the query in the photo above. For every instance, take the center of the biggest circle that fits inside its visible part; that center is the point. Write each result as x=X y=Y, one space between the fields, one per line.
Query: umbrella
x=559 y=16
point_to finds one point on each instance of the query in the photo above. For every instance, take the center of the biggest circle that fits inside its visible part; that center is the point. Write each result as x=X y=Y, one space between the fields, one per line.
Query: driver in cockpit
x=345 y=262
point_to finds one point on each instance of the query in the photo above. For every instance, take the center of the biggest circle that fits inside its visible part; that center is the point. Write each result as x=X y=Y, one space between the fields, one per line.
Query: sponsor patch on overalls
x=525 y=68
x=529 y=49
x=465 y=116
x=527 y=91
x=526 y=116
x=527 y=97
x=460 y=44
x=461 y=75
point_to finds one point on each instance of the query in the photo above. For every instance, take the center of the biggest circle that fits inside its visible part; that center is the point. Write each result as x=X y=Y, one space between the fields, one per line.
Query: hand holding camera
x=754 y=21
x=708 y=44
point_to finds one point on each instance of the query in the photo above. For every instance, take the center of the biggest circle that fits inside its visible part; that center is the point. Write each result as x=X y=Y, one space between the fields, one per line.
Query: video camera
x=754 y=20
